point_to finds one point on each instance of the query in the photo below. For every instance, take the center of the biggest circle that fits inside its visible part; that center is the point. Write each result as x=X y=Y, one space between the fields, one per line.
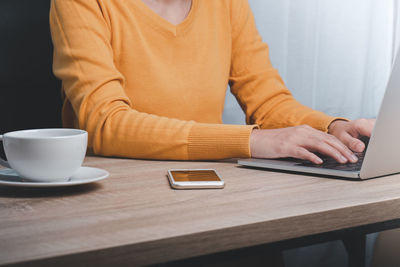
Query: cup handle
x=2 y=161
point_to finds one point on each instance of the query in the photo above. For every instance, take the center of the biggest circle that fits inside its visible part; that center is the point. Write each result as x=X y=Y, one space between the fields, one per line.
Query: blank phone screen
x=195 y=176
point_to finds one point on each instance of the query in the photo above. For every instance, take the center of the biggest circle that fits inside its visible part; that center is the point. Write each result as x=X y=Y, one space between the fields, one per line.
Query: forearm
x=284 y=111
x=128 y=133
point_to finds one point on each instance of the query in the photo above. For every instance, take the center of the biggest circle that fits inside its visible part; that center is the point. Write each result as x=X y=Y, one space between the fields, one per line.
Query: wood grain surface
x=135 y=218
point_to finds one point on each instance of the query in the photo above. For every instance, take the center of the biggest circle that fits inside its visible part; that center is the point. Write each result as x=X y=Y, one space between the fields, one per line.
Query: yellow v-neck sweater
x=145 y=88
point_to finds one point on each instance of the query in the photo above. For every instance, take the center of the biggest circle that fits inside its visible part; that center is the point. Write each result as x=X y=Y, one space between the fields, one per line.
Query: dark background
x=29 y=93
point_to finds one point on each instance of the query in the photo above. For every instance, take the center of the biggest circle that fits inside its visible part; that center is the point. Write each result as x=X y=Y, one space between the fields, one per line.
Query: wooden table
x=135 y=217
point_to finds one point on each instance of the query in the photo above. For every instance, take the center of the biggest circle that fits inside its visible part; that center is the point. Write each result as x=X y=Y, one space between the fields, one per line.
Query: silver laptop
x=382 y=155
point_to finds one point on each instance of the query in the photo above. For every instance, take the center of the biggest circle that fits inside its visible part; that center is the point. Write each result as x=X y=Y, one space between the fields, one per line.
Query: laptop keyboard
x=330 y=163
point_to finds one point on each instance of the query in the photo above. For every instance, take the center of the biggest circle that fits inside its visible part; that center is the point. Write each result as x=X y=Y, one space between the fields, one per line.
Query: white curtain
x=334 y=55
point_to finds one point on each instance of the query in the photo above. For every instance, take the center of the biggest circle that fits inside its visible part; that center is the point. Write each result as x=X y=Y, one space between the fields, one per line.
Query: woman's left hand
x=349 y=132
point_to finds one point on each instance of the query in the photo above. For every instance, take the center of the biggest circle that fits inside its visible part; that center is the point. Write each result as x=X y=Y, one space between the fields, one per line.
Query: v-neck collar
x=165 y=25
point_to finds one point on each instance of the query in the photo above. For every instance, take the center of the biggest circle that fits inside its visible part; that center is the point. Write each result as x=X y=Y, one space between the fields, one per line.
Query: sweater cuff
x=321 y=121
x=219 y=141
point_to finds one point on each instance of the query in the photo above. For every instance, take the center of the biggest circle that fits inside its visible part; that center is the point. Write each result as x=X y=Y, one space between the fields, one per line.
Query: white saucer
x=83 y=175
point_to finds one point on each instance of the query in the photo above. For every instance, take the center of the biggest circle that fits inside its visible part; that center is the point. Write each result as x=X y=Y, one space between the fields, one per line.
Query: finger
x=364 y=127
x=328 y=145
x=302 y=153
x=328 y=150
x=342 y=148
x=353 y=143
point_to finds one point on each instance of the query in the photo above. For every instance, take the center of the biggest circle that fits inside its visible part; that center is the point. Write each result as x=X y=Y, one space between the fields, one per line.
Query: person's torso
x=174 y=71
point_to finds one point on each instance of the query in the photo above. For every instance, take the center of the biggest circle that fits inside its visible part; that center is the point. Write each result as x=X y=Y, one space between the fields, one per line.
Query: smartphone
x=194 y=179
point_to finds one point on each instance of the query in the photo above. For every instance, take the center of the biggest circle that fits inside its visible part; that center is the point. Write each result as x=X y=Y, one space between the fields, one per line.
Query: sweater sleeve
x=83 y=60
x=257 y=86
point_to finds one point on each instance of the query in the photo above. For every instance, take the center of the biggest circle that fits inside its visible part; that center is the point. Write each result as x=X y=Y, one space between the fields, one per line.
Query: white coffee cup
x=45 y=155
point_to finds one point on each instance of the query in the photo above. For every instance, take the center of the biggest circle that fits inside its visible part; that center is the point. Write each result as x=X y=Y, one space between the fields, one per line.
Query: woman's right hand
x=298 y=142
